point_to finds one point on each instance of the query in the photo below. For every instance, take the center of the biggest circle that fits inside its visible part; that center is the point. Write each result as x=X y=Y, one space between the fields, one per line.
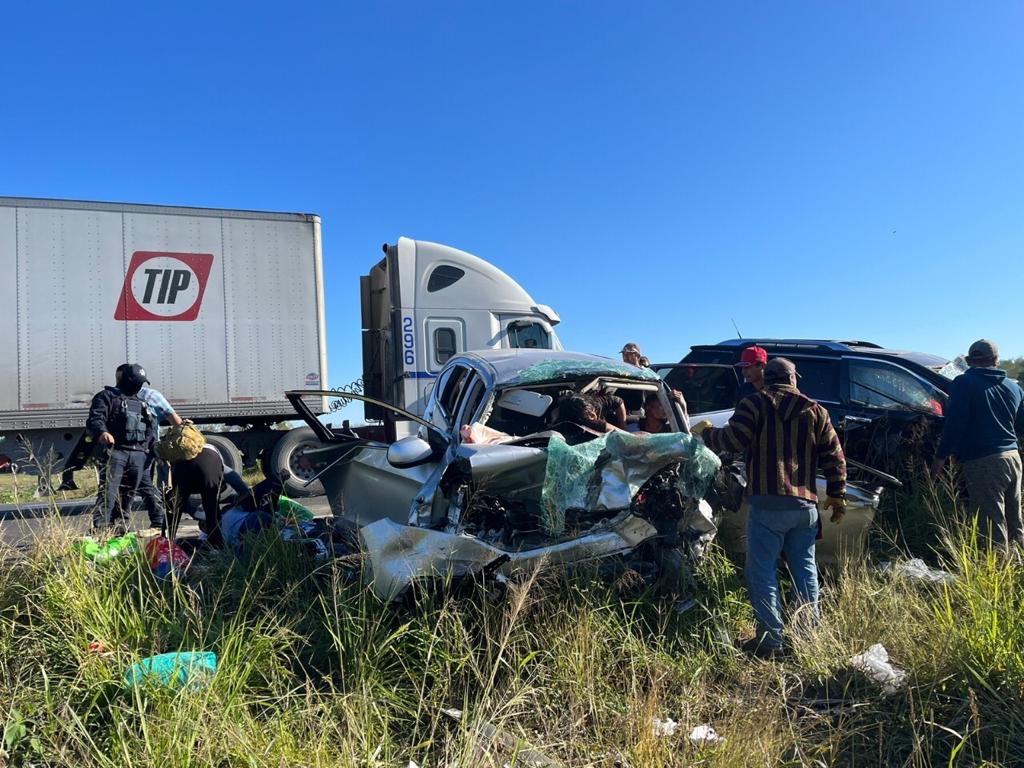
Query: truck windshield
x=523 y=334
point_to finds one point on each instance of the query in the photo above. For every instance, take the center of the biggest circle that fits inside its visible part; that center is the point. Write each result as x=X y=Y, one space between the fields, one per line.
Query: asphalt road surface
x=22 y=525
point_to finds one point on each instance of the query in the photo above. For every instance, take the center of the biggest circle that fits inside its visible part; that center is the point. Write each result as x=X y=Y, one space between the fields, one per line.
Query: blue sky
x=654 y=171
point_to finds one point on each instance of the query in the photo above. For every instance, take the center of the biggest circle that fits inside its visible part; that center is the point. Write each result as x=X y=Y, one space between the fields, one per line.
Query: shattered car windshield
x=552 y=370
x=953 y=368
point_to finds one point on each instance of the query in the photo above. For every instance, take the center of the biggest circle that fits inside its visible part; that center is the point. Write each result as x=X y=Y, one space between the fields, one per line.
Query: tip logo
x=163 y=286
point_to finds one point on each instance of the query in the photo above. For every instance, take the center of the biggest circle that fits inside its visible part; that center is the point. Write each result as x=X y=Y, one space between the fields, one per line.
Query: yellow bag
x=181 y=443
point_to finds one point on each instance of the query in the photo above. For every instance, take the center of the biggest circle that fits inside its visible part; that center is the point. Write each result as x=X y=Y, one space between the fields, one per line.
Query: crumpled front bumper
x=397 y=555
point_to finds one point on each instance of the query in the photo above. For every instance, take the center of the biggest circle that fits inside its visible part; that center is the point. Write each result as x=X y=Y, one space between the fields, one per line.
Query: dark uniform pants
x=120 y=474
x=152 y=499
x=203 y=475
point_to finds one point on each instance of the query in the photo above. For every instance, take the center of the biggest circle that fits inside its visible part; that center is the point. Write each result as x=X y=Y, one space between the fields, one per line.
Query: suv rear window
x=720 y=356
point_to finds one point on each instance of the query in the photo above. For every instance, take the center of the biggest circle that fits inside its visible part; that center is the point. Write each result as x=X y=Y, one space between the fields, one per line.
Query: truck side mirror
x=409 y=452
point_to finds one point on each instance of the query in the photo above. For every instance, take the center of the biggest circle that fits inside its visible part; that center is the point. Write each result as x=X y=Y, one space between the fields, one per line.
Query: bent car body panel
x=364 y=487
x=398 y=555
x=839 y=541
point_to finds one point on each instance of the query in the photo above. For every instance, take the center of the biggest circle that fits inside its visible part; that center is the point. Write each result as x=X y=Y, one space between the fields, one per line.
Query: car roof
x=508 y=365
x=864 y=348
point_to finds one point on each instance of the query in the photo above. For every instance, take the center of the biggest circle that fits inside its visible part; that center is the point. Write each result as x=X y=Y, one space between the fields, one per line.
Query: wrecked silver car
x=502 y=474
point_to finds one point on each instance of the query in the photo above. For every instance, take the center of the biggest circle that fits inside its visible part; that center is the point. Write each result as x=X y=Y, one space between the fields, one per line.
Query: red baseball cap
x=753 y=356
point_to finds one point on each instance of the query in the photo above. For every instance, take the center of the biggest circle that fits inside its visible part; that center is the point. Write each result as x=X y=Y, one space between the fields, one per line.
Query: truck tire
x=227 y=450
x=286 y=462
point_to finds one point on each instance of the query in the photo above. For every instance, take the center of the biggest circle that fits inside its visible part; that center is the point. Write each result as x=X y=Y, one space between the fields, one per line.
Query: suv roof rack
x=830 y=344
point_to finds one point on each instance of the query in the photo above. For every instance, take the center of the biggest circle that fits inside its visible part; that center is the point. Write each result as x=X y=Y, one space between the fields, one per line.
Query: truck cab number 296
x=408 y=341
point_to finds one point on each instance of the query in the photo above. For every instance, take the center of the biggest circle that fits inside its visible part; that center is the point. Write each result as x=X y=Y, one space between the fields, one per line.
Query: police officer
x=161 y=409
x=124 y=425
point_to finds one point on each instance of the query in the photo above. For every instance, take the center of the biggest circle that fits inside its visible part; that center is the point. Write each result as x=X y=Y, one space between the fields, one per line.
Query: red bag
x=164 y=556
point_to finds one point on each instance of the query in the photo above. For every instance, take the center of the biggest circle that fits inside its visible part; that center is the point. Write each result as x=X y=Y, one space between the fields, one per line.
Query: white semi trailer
x=225 y=310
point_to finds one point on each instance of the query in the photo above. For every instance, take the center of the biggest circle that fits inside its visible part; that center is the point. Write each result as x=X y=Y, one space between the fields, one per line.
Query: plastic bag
x=290 y=511
x=165 y=557
x=104 y=552
x=918 y=570
x=874 y=663
x=191 y=668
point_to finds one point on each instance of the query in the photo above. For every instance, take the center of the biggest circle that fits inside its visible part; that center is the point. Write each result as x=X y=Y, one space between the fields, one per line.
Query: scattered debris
x=174 y=670
x=110 y=550
x=825 y=707
x=705 y=734
x=919 y=570
x=666 y=727
x=874 y=662
x=164 y=557
x=487 y=738
x=684 y=606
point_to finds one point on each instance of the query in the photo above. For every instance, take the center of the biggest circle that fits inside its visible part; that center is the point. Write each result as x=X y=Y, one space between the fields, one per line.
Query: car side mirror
x=409 y=452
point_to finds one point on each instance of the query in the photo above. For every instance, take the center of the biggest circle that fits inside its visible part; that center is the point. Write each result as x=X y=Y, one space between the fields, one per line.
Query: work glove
x=838 y=507
x=700 y=426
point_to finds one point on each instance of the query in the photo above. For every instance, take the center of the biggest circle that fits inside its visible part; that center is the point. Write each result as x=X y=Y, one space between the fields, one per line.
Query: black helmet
x=130 y=378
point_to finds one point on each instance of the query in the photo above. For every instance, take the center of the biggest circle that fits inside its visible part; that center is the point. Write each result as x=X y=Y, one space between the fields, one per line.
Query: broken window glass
x=885 y=386
x=553 y=370
x=449 y=396
x=954 y=368
x=605 y=474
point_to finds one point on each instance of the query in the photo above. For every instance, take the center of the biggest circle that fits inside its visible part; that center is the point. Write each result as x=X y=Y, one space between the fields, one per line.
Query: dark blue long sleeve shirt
x=984 y=416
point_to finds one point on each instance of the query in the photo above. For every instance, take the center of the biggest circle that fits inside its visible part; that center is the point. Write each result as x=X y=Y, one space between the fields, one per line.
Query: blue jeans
x=780 y=525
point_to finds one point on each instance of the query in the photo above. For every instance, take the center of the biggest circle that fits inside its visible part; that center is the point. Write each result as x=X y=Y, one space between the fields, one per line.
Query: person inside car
x=582 y=410
x=655 y=420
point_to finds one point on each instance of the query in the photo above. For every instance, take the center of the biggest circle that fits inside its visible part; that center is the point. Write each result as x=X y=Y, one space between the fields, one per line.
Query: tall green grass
x=315 y=671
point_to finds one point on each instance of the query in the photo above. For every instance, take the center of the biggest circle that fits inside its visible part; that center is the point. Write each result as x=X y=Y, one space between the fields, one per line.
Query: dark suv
x=878 y=398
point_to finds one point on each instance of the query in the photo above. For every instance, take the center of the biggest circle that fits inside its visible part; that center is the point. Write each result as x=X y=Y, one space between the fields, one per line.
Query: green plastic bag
x=104 y=552
x=183 y=668
x=290 y=510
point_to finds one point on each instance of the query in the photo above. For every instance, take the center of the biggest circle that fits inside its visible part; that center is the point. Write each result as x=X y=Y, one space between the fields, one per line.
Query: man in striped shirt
x=786 y=438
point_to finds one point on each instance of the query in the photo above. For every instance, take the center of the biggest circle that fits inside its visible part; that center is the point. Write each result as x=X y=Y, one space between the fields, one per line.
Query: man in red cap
x=751 y=365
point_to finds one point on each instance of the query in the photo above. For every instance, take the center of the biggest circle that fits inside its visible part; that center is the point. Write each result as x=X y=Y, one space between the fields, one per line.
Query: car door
x=360 y=483
x=888 y=408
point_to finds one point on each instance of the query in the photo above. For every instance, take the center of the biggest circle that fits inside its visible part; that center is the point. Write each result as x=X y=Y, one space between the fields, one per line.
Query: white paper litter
x=666 y=727
x=705 y=734
x=874 y=662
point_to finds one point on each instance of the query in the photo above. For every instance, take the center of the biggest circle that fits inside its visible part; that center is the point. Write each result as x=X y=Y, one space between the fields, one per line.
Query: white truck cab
x=424 y=303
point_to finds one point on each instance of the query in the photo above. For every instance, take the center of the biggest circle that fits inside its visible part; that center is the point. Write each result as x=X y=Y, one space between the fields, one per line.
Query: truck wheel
x=227 y=450
x=287 y=461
